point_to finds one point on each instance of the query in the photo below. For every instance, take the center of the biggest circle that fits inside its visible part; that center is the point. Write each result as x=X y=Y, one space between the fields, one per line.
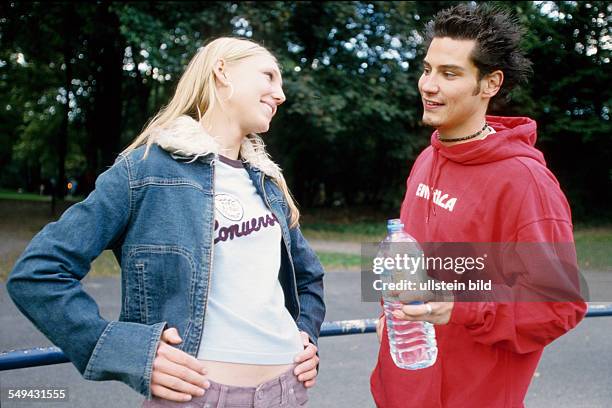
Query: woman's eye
x=270 y=75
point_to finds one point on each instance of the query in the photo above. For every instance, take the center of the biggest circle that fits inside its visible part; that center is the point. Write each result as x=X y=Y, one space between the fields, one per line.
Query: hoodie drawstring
x=430 y=183
x=434 y=177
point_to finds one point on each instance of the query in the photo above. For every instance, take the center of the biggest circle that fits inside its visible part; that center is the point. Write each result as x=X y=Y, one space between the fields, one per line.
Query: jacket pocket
x=160 y=285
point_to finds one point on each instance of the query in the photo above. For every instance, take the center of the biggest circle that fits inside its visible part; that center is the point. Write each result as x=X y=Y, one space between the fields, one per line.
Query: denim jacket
x=157 y=216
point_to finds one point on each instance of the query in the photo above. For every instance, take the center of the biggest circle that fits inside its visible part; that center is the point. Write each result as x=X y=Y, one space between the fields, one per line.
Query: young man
x=481 y=180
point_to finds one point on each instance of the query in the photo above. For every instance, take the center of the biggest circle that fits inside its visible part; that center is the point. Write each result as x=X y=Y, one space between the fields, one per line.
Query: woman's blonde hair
x=196 y=96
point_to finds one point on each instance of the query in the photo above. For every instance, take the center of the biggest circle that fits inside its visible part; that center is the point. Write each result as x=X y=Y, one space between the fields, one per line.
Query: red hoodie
x=493 y=190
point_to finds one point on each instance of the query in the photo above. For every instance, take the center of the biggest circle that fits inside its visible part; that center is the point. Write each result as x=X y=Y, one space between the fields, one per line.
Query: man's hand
x=177 y=376
x=306 y=370
x=436 y=307
x=432 y=312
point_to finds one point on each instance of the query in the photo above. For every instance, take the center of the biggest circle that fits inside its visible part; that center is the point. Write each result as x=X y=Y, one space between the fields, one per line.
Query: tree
x=350 y=129
x=569 y=96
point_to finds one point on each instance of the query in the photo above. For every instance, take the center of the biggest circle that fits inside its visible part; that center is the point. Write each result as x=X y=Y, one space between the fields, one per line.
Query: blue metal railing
x=14 y=359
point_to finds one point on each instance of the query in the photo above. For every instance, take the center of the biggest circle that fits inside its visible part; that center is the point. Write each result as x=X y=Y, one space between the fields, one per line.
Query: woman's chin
x=263 y=128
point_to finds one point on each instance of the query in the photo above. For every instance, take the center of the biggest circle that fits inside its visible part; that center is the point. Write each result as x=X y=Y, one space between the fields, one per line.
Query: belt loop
x=222 y=395
x=284 y=389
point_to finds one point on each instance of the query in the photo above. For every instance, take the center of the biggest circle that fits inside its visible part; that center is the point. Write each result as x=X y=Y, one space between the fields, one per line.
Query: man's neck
x=465 y=134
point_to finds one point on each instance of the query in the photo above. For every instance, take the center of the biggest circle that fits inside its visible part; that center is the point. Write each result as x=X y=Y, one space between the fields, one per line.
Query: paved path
x=353 y=248
x=576 y=370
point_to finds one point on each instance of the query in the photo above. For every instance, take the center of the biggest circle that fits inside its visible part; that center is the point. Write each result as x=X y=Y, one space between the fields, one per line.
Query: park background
x=79 y=80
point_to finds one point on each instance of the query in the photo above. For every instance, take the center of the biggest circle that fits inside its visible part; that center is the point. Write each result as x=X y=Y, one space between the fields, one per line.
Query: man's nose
x=429 y=84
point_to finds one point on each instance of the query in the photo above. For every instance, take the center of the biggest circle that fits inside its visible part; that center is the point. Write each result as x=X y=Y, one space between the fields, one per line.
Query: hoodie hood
x=516 y=136
x=185 y=137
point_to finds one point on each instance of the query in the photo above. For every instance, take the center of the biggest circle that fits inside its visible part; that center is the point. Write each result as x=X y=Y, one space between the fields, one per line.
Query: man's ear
x=219 y=70
x=491 y=83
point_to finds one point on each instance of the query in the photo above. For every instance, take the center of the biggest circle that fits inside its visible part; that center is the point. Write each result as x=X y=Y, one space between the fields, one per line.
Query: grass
x=359 y=225
x=17 y=196
x=14 y=195
x=594 y=247
x=105 y=265
x=354 y=232
x=339 y=261
x=22 y=219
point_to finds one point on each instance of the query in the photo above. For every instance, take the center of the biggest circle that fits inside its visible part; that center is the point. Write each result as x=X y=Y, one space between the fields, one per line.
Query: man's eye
x=426 y=71
x=450 y=74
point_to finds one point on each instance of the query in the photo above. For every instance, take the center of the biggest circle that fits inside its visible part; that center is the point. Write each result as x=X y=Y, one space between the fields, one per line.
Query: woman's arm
x=45 y=285
x=309 y=278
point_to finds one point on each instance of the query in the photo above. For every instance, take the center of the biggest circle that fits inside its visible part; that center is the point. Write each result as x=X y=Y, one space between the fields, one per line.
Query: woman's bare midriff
x=243 y=375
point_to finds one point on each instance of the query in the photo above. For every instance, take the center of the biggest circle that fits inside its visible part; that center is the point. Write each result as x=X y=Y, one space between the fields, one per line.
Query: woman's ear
x=219 y=71
x=492 y=83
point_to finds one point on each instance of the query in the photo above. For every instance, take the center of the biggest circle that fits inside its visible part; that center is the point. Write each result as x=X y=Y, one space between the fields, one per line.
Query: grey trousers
x=284 y=391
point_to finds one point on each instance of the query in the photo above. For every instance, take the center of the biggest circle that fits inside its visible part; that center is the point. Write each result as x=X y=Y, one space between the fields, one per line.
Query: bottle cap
x=394 y=225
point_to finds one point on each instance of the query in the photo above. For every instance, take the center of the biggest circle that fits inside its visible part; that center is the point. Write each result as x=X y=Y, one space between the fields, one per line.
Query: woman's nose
x=279 y=96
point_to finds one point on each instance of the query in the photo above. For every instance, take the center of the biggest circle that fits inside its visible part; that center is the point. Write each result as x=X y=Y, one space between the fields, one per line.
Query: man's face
x=449 y=87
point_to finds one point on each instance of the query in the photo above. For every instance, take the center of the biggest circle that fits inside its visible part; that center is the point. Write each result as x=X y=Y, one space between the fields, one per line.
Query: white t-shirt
x=246 y=320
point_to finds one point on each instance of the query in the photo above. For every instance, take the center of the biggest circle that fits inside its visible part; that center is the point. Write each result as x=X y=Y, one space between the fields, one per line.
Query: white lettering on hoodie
x=439 y=198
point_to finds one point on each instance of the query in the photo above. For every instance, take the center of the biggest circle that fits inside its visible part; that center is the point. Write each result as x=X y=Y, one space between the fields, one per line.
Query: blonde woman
x=222 y=298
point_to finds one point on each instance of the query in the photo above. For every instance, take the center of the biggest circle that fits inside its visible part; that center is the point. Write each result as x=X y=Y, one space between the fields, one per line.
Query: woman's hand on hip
x=177 y=376
x=307 y=360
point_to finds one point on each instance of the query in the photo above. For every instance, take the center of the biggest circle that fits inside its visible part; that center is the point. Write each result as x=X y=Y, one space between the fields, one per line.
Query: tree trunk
x=62 y=137
x=107 y=113
x=104 y=113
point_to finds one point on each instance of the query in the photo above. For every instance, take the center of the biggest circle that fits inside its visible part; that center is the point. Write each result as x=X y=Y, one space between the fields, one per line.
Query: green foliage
x=570 y=45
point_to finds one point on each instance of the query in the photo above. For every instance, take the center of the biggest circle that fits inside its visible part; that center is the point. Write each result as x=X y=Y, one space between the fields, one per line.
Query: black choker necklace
x=466 y=137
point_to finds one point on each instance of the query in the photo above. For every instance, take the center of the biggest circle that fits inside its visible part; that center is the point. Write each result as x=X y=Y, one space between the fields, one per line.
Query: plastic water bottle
x=412 y=344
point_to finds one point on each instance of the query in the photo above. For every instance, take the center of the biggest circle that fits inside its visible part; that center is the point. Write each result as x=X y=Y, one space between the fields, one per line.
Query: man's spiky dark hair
x=497 y=35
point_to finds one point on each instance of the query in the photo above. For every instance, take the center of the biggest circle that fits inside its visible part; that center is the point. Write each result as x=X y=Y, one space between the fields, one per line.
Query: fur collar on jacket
x=185 y=137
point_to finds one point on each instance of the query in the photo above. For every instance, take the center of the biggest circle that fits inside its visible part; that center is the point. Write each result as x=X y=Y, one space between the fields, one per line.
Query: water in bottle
x=412 y=344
